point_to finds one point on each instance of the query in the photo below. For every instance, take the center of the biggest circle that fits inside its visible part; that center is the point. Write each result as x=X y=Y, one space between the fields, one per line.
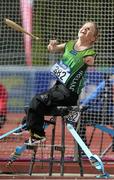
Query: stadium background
x=25 y=64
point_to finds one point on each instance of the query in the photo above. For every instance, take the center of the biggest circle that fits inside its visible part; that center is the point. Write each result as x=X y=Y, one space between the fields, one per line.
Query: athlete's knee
x=40 y=99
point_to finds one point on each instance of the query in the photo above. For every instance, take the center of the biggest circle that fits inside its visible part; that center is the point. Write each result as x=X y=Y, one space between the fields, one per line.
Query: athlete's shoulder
x=69 y=44
x=90 y=52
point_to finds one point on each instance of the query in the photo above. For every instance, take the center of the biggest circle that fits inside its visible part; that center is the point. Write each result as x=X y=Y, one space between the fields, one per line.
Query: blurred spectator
x=3 y=105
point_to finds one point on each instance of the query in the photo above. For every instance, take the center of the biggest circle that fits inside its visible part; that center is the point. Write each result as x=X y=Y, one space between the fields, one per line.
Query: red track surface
x=22 y=165
x=47 y=177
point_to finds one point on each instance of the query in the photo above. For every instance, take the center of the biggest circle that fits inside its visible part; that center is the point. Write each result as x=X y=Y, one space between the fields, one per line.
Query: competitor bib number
x=61 y=73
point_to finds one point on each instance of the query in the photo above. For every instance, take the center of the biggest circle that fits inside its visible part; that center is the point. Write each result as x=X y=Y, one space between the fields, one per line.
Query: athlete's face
x=87 y=32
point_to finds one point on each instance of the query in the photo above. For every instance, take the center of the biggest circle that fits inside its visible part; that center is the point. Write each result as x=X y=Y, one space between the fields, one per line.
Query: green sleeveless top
x=70 y=70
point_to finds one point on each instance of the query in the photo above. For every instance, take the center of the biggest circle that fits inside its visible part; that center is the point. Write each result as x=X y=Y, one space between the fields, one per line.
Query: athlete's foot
x=34 y=140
